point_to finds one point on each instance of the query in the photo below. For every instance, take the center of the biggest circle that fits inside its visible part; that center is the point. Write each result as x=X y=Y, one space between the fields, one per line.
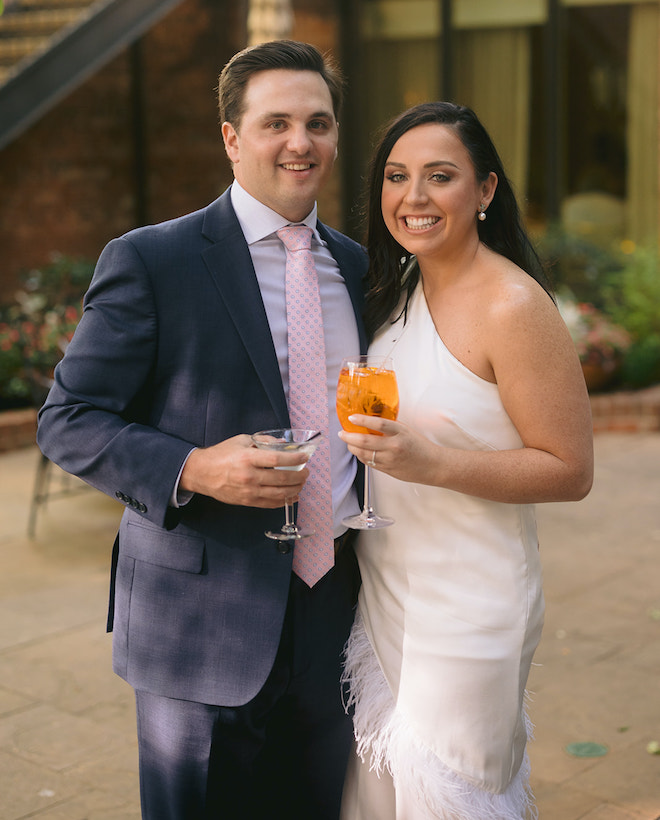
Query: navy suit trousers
x=284 y=753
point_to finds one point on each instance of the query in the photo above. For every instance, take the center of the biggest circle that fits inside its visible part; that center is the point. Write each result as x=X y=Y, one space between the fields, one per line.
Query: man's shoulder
x=190 y=223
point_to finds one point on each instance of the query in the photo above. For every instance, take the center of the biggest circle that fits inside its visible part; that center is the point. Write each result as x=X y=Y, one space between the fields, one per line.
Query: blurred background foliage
x=610 y=300
x=37 y=326
x=609 y=289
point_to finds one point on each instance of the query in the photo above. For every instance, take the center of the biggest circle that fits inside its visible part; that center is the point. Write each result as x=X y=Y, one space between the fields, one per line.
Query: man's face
x=286 y=143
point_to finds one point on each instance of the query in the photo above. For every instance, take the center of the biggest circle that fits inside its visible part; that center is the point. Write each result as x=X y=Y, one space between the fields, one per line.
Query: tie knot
x=296 y=237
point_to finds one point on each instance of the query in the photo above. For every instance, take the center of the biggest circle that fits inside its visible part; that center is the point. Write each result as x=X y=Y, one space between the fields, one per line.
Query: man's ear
x=230 y=139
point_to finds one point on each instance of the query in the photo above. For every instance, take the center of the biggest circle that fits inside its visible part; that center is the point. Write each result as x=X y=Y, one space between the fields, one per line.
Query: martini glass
x=367 y=385
x=288 y=440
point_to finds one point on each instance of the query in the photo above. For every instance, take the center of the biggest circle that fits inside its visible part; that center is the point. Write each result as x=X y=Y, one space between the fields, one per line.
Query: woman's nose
x=415 y=192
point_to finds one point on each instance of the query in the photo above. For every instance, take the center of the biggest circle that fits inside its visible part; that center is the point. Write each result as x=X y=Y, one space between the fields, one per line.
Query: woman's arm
x=542 y=389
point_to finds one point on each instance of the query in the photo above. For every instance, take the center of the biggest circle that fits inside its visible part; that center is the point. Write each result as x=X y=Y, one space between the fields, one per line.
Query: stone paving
x=67 y=725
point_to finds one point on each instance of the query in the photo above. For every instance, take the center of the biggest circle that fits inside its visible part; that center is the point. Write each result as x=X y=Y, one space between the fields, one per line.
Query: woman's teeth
x=419 y=223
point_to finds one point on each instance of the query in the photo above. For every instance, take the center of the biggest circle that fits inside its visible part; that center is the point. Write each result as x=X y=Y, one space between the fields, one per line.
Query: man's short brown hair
x=275 y=54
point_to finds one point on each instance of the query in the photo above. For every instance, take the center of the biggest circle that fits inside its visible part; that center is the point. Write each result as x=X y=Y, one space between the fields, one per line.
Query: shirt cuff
x=181 y=497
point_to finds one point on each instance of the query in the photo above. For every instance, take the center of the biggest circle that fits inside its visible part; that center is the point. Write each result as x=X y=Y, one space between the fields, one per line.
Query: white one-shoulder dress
x=450 y=614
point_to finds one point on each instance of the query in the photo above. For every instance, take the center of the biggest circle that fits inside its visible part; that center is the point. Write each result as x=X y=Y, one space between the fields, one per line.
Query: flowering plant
x=36 y=328
x=597 y=339
x=32 y=341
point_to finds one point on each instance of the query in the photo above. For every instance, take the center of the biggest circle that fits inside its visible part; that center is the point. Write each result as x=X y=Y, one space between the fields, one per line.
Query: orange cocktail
x=367 y=389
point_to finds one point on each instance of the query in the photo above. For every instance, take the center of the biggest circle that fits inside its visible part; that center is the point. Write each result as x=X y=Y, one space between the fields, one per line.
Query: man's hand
x=236 y=472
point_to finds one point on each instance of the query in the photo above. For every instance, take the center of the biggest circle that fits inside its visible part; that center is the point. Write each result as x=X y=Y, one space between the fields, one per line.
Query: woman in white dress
x=494 y=417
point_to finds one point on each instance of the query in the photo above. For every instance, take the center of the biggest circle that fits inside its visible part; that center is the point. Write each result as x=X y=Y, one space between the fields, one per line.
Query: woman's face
x=431 y=196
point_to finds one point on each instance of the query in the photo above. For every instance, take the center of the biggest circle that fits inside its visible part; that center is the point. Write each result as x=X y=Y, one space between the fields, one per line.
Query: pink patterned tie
x=308 y=401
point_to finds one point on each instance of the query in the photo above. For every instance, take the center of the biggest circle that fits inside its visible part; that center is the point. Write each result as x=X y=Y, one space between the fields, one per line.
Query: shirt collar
x=257 y=220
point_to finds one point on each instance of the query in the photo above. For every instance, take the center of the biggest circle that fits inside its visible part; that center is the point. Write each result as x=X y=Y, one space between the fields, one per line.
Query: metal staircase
x=28 y=25
x=49 y=47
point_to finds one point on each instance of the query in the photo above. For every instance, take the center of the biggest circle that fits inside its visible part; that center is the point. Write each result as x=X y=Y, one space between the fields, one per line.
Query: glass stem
x=289 y=524
x=367 y=509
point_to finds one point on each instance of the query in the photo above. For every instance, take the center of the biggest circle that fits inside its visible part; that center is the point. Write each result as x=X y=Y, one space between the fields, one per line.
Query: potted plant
x=600 y=343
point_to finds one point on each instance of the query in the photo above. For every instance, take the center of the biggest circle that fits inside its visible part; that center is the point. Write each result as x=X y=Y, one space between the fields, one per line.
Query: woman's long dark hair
x=502 y=231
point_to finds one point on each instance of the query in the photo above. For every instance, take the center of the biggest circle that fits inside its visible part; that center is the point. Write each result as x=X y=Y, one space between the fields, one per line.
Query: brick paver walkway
x=67 y=726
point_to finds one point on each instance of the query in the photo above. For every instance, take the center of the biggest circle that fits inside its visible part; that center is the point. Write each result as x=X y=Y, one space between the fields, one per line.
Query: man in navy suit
x=181 y=353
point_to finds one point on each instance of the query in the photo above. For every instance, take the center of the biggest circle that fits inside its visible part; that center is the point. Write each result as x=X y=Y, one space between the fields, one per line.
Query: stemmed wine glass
x=367 y=385
x=289 y=440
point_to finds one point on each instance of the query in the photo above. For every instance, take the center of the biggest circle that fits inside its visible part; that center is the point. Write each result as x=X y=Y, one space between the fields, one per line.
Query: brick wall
x=631 y=411
x=68 y=183
x=18 y=429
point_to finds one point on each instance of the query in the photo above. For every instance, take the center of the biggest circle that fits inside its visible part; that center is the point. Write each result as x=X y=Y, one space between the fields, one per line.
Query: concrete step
x=27 y=26
x=16 y=48
x=30 y=23
x=50 y=4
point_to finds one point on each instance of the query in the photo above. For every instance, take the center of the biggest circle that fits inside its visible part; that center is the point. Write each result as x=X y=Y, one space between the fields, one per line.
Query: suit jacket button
x=142 y=507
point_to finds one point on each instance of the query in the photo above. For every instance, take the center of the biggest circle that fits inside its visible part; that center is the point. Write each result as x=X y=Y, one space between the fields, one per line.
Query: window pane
x=591 y=158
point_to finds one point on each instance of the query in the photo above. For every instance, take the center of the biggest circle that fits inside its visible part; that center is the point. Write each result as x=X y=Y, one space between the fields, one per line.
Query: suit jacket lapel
x=230 y=265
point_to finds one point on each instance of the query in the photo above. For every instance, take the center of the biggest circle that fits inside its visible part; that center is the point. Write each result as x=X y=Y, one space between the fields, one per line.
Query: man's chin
x=296 y=207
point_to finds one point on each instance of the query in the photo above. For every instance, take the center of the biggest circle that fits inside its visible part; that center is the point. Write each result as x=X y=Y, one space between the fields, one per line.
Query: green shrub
x=576 y=265
x=632 y=300
x=625 y=286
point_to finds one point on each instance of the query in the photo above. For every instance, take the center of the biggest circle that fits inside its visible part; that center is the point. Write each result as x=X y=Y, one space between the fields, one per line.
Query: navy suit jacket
x=174 y=350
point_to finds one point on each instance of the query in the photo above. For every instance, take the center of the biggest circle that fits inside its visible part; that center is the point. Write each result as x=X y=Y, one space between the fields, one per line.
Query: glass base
x=367 y=521
x=281 y=535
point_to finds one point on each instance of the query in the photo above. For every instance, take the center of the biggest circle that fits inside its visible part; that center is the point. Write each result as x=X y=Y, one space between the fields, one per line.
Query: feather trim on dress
x=386 y=741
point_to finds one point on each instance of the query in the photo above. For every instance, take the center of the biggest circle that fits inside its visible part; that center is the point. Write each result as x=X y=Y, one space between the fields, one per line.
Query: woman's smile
x=420 y=223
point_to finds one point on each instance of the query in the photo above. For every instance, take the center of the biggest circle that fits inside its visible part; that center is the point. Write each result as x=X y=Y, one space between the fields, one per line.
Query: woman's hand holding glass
x=367 y=385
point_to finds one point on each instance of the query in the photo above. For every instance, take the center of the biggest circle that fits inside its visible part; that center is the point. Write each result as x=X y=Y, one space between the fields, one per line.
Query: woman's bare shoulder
x=511 y=294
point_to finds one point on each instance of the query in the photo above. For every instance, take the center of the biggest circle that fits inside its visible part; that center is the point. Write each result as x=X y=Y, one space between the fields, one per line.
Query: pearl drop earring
x=481 y=216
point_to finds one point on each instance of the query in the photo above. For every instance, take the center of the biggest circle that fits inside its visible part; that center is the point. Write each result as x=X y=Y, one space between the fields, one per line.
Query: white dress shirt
x=259 y=225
